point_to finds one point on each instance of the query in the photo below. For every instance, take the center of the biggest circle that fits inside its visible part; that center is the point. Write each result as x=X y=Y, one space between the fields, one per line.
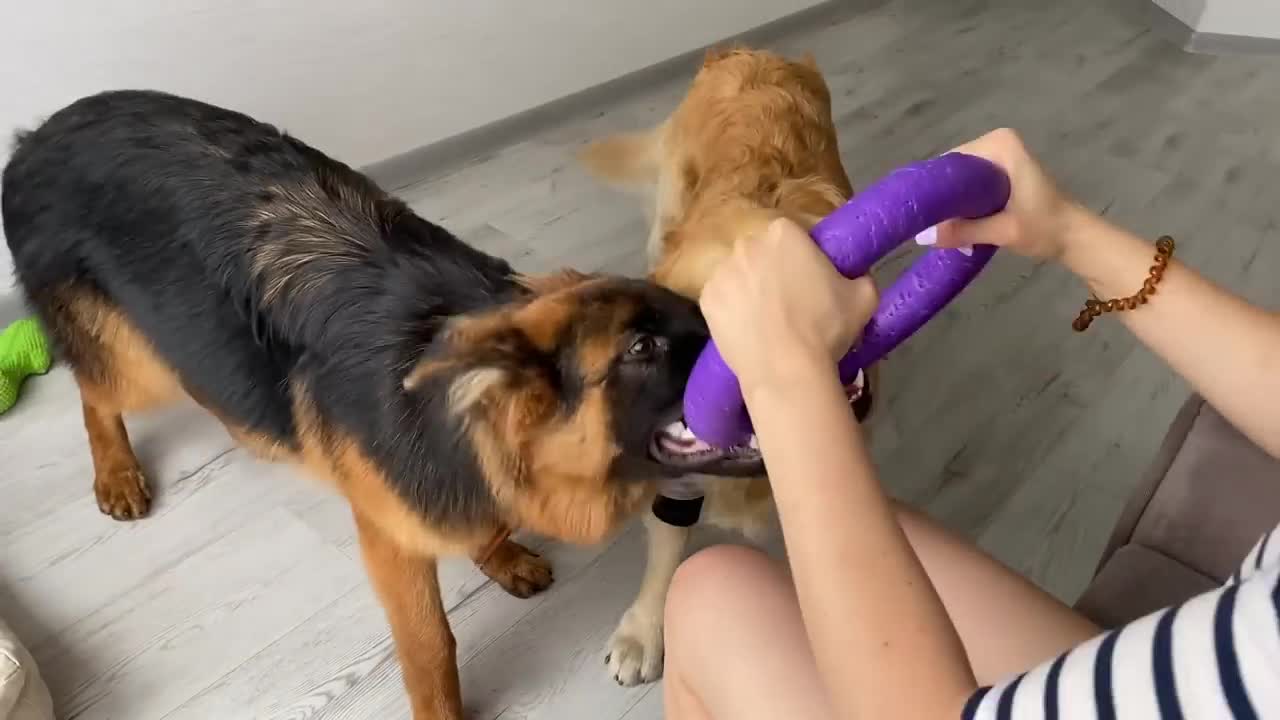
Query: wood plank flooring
x=242 y=596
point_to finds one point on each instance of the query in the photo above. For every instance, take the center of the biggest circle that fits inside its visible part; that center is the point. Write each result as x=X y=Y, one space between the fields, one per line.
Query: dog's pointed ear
x=467 y=382
x=503 y=349
x=424 y=370
x=485 y=346
x=809 y=60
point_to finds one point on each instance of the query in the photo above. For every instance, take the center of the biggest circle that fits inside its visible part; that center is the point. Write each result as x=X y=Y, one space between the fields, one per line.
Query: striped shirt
x=1215 y=656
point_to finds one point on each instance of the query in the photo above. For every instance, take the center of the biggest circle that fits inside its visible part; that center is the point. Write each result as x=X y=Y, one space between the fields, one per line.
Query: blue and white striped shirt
x=1215 y=656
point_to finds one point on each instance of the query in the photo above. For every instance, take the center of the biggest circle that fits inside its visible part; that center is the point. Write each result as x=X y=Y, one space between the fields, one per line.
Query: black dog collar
x=680 y=513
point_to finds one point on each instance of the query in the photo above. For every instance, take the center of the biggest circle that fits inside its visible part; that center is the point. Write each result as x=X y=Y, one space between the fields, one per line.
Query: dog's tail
x=630 y=160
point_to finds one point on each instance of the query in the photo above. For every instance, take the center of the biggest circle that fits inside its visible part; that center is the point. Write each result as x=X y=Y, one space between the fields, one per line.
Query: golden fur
x=752 y=141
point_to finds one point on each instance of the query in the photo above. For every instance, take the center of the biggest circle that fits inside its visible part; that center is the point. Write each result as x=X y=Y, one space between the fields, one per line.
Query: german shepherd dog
x=752 y=141
x=177 y=249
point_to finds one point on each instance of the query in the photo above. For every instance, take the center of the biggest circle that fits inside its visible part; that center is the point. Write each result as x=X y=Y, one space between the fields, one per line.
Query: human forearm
x=881 y=637
x=1226 y=348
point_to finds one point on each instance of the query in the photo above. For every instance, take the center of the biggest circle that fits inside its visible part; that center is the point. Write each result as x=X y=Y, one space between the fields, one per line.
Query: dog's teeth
x=754 y=444
x=686 y=433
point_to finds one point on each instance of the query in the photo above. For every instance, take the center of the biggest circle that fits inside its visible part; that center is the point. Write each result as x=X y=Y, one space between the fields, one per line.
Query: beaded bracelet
x=1093 y=307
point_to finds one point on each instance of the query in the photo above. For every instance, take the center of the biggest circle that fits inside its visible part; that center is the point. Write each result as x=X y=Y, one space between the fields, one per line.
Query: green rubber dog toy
x=24 y=351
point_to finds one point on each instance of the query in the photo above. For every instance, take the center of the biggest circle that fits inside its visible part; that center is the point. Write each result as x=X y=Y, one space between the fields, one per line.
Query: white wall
x=361 y=79
x=1249 y=18
x=1188 y=11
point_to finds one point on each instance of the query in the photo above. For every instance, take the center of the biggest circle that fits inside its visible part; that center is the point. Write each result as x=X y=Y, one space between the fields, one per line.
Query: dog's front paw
x=519 y=570
x=635 y=649
x=122 y=493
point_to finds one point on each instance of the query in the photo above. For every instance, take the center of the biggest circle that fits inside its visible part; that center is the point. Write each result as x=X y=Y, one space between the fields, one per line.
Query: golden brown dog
x=752 y=141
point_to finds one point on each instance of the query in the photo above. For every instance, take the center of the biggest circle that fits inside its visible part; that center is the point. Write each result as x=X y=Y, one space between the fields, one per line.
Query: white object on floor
x=23 y=694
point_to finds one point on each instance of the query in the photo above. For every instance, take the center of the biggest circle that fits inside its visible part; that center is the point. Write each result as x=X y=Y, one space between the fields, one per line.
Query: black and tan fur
x=177 y=249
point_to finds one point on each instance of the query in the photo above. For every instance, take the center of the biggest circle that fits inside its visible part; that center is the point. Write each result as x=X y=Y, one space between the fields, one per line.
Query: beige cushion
x=23 y=695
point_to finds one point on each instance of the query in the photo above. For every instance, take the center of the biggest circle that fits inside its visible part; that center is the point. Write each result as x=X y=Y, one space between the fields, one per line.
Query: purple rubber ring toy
x=900 y=206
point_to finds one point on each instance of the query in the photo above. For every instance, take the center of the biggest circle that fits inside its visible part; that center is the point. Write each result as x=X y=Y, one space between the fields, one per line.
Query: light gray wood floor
x=242 y=596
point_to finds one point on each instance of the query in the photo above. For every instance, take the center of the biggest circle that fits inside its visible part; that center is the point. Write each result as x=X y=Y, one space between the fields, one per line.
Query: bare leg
x=1006 y=623
x=736 y=644
x=635 y=650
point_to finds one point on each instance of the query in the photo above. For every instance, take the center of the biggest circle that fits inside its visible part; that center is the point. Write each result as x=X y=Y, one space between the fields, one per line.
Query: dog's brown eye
x=643 y=347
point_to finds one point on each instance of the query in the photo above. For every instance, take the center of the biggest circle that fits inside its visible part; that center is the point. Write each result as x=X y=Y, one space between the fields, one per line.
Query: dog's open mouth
x=675 y=445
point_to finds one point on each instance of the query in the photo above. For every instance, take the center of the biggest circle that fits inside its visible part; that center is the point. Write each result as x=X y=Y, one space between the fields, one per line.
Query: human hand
x=778 y=309
x=1036 y=222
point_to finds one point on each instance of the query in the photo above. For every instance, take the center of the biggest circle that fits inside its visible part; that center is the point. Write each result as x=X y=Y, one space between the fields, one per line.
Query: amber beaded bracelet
x=1093 y=307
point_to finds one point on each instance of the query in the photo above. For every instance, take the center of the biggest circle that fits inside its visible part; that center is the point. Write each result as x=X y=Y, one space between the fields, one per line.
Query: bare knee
x=735 y=641
x=713 y=583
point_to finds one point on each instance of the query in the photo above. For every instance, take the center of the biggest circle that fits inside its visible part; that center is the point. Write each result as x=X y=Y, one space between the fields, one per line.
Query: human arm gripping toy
x=905 y=203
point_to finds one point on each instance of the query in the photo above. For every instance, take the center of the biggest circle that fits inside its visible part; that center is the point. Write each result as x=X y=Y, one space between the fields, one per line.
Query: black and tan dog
x=178 y=249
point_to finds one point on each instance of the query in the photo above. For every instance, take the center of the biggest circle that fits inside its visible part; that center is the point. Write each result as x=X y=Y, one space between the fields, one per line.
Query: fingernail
x=928 y=237
x=966 y=249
